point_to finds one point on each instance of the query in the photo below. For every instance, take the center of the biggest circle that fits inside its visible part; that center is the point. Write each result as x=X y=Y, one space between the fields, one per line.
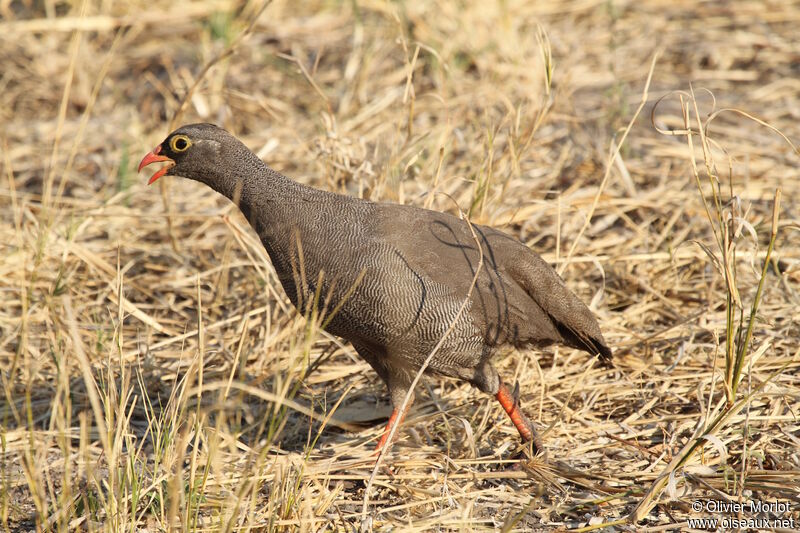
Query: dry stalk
x=616 y=147
x=228 y=51
x=252 y=451
x=736 y=352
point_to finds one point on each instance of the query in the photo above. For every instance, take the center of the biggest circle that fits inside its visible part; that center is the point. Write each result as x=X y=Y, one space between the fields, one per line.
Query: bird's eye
x=180 y=143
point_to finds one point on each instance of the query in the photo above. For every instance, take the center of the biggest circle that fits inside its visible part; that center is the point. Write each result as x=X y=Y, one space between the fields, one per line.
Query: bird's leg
x=395 y=419
x=509 y=401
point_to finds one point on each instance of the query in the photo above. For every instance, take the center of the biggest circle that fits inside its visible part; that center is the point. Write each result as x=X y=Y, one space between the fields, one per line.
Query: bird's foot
x=510 y=402
x=395 y=419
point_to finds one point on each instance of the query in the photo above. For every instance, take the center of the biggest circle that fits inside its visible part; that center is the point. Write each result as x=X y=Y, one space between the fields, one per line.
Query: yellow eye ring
x=180 y=143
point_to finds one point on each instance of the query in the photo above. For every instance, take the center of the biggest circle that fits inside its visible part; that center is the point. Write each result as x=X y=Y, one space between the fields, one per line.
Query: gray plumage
x=398 y=274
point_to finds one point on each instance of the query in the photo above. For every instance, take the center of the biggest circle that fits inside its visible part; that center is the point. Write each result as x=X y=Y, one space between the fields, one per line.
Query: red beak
x=153 y=157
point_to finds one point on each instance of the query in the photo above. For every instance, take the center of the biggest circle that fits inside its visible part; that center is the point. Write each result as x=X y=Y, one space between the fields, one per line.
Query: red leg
x=395 y=420
x=523 y=425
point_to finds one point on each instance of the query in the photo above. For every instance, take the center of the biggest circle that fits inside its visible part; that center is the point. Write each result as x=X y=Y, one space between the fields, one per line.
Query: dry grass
x=154 y=376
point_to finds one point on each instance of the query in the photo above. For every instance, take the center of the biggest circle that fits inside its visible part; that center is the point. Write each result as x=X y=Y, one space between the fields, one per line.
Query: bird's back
x=518 y=299
x=396 y=276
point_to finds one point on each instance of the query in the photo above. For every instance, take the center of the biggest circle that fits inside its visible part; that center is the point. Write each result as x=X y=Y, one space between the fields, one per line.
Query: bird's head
x=192 y=151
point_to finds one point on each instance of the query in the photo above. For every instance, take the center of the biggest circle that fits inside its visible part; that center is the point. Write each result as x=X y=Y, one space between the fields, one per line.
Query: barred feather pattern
x=391 y=278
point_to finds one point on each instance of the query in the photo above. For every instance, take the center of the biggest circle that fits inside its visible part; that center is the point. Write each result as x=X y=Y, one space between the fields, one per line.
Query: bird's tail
x=573 y=320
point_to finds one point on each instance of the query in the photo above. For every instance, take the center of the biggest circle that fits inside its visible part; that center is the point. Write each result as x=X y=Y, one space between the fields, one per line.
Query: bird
x=394 y=280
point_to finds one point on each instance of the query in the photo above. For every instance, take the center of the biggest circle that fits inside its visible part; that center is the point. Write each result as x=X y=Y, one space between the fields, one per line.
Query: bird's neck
x=283 y=213
x=250 y=184
x=269 y=200
x=257 y=190
x=274 y=204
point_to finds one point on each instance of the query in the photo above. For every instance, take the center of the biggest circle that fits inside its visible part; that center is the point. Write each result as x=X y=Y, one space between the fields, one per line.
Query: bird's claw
x=515 y=393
